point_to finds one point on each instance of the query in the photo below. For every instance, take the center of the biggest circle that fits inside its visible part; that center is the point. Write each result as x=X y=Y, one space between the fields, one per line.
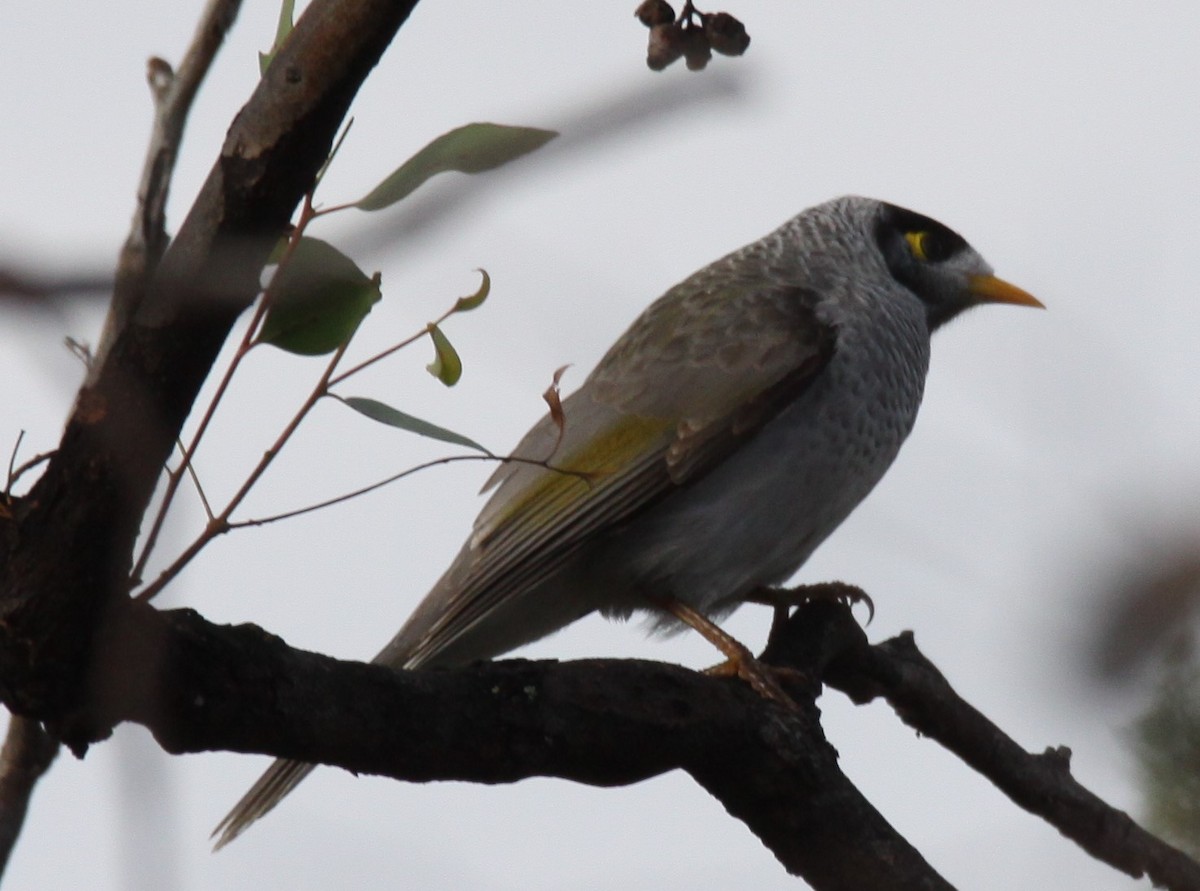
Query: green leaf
x=393 y=417
x=446 y=366
x=282 y=30
x=319 y=297
x=278 y=251
x=474 y=301
x=470 y=149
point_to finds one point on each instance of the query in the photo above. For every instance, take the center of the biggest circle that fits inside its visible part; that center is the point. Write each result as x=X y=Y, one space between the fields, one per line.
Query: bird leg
x=739 y=660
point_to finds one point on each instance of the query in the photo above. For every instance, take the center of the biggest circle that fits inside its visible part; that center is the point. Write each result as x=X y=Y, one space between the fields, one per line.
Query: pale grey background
x=1061 y=139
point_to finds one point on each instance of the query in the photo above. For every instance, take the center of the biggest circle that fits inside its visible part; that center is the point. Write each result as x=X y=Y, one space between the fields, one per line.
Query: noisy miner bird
x=737 y=422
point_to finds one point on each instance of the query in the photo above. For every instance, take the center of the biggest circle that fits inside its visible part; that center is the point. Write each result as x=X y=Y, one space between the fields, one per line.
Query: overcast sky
x=1061 y=139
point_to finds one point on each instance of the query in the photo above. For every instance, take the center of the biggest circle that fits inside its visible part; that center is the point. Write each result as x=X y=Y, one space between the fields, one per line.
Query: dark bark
x=1040 y=783
x=201 y=687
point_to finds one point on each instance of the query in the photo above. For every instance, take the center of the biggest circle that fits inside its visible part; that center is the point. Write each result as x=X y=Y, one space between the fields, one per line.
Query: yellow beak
x=989 y=289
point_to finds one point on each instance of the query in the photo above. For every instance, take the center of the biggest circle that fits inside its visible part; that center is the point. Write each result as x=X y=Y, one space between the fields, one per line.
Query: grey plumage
x=735 y=424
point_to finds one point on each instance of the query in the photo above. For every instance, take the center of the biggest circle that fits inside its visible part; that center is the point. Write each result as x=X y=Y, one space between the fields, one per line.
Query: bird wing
x=702 y=369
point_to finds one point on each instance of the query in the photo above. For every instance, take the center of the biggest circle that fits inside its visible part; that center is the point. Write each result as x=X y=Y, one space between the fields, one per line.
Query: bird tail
x=277 y=781
x=415 y=645
x=285 y=775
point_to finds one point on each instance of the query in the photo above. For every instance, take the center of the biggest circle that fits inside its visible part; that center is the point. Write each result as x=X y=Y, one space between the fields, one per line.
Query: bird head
x=939 y=266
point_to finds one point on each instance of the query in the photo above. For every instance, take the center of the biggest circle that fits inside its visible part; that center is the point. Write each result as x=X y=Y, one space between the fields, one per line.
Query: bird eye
x=932 y=245
x=918 y=243
x=924 y=240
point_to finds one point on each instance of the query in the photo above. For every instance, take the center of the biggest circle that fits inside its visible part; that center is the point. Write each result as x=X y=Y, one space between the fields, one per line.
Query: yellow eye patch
x=916 y=243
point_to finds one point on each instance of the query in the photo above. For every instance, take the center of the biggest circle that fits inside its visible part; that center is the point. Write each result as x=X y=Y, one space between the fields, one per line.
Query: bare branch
x=173 y=93
x=1042 y=784
x=201 y=687
x=27 y=754
x=219 y=524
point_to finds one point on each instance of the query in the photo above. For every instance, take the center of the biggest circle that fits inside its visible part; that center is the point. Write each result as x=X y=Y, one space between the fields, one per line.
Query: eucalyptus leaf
x=282 y=30
x=319 y=297
x=446 y=365
x=393 y=417
x=474 y=301
x=473 y=148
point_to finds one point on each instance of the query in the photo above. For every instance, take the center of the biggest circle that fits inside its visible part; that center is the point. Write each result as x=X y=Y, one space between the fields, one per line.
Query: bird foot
x=763 y=679
x=833 y=592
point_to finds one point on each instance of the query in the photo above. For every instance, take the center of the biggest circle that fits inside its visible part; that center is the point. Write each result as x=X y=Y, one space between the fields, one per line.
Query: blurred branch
x=1153 y=596
x=27 y=754
x=35 y=289
x=592 y=127
x=1149 y=631
x=1168 y=750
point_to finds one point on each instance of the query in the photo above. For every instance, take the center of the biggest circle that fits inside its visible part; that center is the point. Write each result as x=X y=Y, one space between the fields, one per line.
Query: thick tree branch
x=922 y=697
x=201 y=687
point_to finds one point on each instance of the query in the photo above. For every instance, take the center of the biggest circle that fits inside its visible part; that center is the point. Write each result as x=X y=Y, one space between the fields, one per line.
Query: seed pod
x=655 y=12
x=726 y=35
x=696 y=50
x=665 y=46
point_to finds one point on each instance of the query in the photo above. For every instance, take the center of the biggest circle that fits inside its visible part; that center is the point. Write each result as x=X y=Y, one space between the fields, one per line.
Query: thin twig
x=173 y=92
x=33 y=462
x=220 y=525
x=436 y=462
x=176 y=476
x=195 y=477
x=317 y=393
x=337 y=145
x=330 y=502
x=12 y=460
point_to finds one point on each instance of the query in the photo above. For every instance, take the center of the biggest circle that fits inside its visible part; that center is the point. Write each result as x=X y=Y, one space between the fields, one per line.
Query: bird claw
x=832 y=592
